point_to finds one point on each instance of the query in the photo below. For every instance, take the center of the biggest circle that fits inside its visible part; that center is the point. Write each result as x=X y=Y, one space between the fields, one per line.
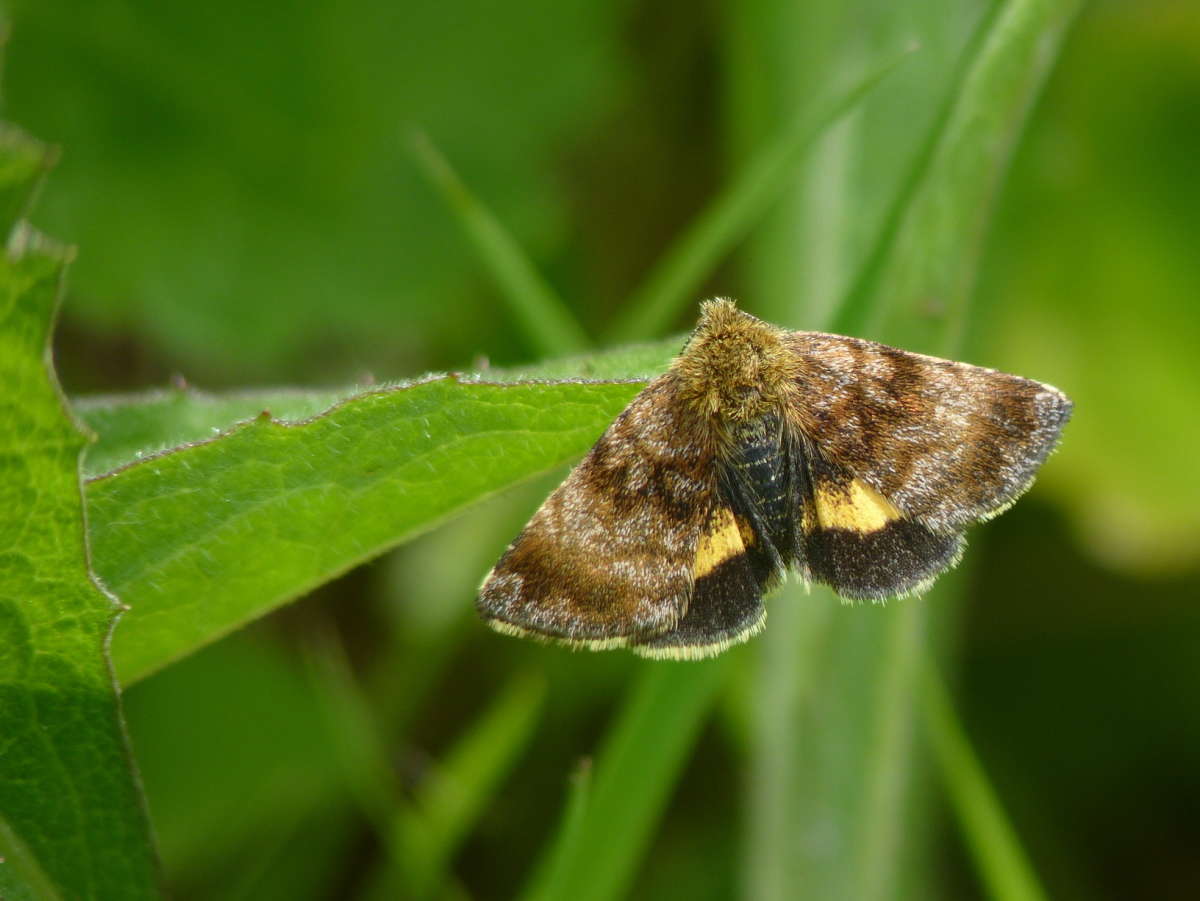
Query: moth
x=855 y=464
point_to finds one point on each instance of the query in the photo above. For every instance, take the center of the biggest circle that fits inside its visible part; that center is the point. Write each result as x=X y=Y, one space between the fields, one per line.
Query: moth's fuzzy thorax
x=734 y=367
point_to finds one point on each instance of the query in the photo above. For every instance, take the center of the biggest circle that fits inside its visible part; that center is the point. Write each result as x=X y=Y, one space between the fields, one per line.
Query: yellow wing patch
x=856 y=507
x=727 y=537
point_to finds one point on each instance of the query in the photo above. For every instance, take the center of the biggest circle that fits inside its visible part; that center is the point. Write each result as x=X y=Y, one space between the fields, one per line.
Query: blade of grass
x=566 y=847
x=452 y=799
x=420 y=835
x=1000 y=860
x=934 y=255
x=545 y=319
x=598 y=850
x=927 y=248
x=888 y=764
x=780 y=56
x=298 y=861
x=730 y=215
x=353 y=732
x=918 y=280
x=789 y=671
x=854 y=313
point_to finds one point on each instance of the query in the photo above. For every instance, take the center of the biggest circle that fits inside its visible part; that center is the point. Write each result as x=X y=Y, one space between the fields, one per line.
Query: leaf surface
x=72 y=819
x=205 y=537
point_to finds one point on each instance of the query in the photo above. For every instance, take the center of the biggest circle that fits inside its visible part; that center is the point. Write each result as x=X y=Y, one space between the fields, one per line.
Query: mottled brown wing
x=946 y=443
x=609 y=557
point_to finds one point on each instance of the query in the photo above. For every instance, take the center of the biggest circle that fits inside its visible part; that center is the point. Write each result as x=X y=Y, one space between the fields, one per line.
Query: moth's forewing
x=946 y=443
x=904 y=451
x=610 y=556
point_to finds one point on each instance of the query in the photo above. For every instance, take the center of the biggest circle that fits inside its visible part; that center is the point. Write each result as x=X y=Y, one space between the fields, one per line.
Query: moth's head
x=734 y=366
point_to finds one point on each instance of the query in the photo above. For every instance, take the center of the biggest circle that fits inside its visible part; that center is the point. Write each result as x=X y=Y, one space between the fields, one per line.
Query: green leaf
x=133 y=426
x=208 y=536
x=72 y=820
x=197 y=545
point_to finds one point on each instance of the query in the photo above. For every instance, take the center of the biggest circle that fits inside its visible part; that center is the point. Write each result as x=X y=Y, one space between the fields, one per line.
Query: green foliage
x=23 y=162
x=733 y=212
x=912 y=290
x=421 y=836
x=72 y=823
x=223 y=828
x=547 y=323
x=285 y=507
x=921 y=278
x=246 y=208
x=248 y=150
x=608 y=825
x=989 y=836
x=131 y=427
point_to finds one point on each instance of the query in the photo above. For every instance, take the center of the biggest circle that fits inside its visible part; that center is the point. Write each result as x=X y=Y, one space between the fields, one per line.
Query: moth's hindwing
x=611 y=555
x=731 y=571
x=861 y=545
x=743 y=548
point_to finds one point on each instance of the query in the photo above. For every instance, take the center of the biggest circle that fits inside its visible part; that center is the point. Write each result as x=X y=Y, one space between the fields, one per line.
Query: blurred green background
x=237 y=179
